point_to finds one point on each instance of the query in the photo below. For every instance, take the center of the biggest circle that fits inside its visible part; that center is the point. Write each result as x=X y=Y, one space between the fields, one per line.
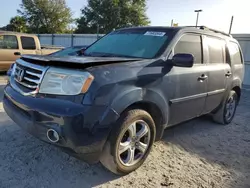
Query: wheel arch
x=151 y=101
x=236 y=86
x=237 y=89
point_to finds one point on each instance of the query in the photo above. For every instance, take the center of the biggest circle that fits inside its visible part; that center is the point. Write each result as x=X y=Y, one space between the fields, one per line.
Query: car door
x=9 y=51
x=189 y=84
x=219 y=72
x=28 y=45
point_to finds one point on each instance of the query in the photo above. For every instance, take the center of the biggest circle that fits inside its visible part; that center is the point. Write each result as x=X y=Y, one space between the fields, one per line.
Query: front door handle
x=202 y=77
x=17 y=53
x=228 y=74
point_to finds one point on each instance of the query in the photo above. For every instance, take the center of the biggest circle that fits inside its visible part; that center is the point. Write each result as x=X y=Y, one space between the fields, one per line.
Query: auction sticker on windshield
x=154 y=33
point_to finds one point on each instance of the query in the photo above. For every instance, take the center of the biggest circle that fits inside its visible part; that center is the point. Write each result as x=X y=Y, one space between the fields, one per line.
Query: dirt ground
x=198 y=153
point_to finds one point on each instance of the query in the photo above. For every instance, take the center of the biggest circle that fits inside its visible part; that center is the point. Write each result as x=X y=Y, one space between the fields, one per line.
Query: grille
x=28 y=76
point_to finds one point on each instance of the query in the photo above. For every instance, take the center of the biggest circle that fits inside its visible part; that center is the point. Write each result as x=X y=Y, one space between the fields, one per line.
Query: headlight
x=65 y=82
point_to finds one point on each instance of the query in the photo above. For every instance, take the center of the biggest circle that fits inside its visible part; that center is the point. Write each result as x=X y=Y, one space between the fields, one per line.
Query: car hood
x=70 y=61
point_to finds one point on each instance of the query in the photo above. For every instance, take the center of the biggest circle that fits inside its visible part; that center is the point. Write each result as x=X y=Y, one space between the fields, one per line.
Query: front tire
x=129 y=142
x=226 y=112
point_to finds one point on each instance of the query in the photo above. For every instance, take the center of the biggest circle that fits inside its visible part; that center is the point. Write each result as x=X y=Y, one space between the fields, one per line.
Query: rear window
x=8 y=42
x=28 y=43
x=216 y=48
x=235 y=54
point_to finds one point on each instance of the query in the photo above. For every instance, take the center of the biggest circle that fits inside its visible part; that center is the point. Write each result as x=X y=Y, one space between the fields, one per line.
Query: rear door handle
x=202 y=77
x=17 y=53
x=228 y=74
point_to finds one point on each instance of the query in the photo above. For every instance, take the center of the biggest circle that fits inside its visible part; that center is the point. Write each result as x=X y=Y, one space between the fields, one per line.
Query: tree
x=17 y=24
x=46 y=16
x=106 y=15
x=4 y=28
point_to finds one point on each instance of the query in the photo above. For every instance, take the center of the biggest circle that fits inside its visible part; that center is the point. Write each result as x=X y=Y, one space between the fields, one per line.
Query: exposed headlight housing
x=65 y=82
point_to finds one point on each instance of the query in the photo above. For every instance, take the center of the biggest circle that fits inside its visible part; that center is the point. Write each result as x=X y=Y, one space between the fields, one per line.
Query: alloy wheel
x=230 y=108
x=134 y=143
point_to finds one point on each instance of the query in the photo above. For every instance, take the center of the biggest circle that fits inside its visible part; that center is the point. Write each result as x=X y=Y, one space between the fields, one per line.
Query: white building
x=244 y=40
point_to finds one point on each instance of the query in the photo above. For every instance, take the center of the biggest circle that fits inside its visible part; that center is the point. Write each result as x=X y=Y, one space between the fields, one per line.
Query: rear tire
x=225 y=114
x=123 y=152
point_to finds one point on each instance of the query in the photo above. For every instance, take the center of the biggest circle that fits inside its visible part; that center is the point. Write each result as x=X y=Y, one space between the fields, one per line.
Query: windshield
x=71 y=51
x=130 y=43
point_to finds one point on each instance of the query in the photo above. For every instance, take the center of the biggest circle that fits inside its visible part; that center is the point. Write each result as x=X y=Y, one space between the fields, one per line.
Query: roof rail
x=209 y=29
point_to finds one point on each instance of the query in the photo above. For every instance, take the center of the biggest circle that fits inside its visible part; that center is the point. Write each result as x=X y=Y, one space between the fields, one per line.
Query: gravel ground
x=198 y=153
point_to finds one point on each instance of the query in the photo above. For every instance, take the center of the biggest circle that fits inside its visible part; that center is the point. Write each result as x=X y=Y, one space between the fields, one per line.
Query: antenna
x=231 y=24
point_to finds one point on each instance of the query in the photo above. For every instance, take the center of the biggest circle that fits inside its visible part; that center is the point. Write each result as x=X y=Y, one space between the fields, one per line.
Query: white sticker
x=154 y=33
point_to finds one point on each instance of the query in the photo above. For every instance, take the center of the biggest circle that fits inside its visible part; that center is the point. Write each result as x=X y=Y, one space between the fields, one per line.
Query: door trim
x=183 y=99
x=216 y=92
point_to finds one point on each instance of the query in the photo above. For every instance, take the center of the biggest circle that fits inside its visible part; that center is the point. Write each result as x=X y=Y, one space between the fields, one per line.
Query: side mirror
x=183 y=60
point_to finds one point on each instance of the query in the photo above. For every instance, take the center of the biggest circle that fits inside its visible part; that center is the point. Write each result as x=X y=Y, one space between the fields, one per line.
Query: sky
x=216 y=13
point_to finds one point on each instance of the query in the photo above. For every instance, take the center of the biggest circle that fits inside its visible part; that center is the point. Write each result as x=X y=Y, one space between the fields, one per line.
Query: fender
x=236 y=82
x=129 y=97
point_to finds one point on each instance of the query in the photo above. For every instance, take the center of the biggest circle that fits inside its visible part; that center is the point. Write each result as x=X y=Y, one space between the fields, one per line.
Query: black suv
x=111 y=104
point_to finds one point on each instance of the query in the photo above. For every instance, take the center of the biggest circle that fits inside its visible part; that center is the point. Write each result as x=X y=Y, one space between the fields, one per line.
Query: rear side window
x=28 y=43
x=190 y=44
x=216 y=48
x=8 y=42
x=235 y=54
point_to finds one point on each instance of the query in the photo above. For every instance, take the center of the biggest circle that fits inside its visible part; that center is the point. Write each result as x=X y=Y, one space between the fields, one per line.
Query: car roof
x=160 y=28
x=198 y=29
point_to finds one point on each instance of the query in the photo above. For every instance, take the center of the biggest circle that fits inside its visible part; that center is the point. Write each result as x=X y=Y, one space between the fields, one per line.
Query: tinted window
x=130 y=43
x=190 y=44
x=215 y=49
x=8 y=42
x=28 y=43
x=235 y=54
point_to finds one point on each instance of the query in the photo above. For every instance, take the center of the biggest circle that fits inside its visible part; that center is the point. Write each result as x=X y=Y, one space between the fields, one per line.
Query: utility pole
x=172 y=22
x=231 y=24
x=197 y=19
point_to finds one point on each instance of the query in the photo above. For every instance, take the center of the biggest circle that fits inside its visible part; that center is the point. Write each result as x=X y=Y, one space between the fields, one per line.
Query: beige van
x=13 y=45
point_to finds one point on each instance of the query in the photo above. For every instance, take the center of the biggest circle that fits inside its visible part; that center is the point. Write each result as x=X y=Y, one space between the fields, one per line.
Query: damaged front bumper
x=82 y=129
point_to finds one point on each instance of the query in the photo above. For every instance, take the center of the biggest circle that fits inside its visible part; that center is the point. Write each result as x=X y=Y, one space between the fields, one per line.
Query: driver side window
x=190 y=44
